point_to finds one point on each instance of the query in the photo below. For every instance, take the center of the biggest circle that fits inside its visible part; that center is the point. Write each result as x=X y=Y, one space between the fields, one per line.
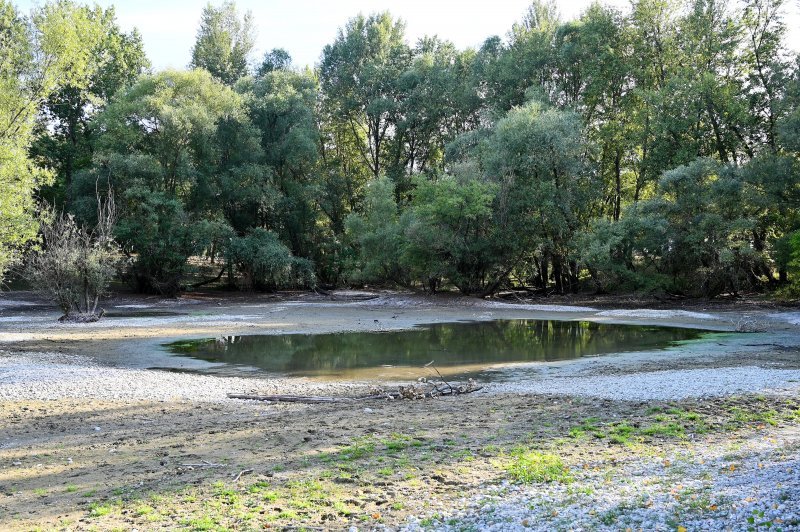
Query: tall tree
x=281 y=106
x=38 y=55
x=536 y=154
x=160 y=151
x=358 y=75
x=64 y=139
x=440 y=103
x=594 y=77
x=768 y=65
x=224 y=42
x=277 y=59
x=528 y=60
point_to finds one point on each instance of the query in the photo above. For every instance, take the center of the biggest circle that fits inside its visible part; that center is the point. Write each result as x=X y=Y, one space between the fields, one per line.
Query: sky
x=304 y=27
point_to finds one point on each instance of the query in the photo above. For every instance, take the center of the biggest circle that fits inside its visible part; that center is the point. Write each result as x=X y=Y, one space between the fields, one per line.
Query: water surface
x=456 y=348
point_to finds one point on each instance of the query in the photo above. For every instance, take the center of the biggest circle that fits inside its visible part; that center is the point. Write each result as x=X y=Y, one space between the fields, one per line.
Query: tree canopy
x=650 y=149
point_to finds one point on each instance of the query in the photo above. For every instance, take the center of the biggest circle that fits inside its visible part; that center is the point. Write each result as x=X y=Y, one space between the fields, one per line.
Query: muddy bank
x=137 y=327
x=30 y=324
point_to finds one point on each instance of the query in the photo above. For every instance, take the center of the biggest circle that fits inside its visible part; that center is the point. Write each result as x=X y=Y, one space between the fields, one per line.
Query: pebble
x=53 y=376
x=700 y=492
x=664 y=385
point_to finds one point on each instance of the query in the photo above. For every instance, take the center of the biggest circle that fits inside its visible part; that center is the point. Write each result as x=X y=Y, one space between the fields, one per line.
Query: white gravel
x=14 y=303
x=792 y=318
x=537 y=308
x=411 y=302
x=205 y=319
x=754 y=486
x=47 y=376
x=25 y=319
x=656 y=314
x=664 y=385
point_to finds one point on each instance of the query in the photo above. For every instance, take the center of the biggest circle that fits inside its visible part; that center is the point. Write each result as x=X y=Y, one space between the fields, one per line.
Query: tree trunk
x=618 y=184
x=544 y=274
x=573 y=276
x=558 y=275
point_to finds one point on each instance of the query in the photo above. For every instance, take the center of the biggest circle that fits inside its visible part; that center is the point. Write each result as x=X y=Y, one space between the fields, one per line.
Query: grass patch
x=144 y=510
x=99 y=510
x=531 y=467
x=398 y=442
x=590 y=425
x=202 y=523
x=767 y=417
x=669 y=429
x=621 y=433
x=360 y=448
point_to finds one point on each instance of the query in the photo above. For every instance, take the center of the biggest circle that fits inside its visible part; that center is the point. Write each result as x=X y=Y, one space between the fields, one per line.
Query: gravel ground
x=665 y=385
x=49 y=376
x=751 y=487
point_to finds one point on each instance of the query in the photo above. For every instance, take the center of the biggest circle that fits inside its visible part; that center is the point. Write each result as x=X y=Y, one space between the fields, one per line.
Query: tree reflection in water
x=451 y=345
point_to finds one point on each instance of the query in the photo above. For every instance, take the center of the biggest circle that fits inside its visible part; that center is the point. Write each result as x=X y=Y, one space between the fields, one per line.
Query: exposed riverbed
x=83 y=413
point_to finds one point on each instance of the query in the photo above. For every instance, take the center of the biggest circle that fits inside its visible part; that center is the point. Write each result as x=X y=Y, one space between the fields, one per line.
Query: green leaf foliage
x=653 y=148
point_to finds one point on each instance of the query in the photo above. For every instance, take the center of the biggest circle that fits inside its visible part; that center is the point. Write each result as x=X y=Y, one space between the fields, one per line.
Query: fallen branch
x=412 y=393
x=209 y=281
x=242 y=472
x=405 y=392
x=205 y=463
x=290 y=398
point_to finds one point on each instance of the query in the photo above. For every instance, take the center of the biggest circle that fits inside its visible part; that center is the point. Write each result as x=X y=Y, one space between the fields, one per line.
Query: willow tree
x=159 y=150
x=537 y=155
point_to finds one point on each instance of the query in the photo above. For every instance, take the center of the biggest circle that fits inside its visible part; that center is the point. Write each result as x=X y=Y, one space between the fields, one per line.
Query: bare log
x=289 y=398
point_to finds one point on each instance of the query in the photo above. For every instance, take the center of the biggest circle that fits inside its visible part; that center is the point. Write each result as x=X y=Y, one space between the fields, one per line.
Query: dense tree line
x=656 y=149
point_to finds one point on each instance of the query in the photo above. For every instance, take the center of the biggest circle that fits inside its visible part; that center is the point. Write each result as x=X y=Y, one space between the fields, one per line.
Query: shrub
x=266 y=263
x=74 y=265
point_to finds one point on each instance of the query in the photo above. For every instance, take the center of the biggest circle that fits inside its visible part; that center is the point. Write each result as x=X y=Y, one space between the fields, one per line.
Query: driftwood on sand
x=421 y=390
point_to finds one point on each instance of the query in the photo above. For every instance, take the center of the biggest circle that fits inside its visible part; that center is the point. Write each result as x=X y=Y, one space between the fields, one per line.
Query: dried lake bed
x=84 y=413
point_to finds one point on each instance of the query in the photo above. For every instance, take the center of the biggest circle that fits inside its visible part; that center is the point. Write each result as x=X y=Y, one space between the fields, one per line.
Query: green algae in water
x=455 y=347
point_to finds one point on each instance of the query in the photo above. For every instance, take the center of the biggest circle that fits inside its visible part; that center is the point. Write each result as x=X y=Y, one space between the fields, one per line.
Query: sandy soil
x=87 y=463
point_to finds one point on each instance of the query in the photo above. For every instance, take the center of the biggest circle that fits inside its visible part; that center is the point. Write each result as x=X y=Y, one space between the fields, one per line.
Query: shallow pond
x=456 y=348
